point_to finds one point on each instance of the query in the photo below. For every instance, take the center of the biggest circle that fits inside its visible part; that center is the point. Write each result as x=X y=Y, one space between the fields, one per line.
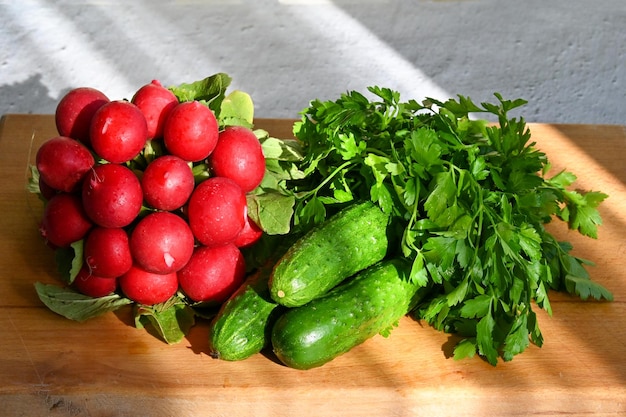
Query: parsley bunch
x=469 y=201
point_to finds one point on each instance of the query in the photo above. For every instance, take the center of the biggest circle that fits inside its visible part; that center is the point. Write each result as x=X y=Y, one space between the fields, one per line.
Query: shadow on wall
x=27 y=95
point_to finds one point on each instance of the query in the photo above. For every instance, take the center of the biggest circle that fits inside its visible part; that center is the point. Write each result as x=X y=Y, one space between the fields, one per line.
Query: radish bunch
x=155 y=191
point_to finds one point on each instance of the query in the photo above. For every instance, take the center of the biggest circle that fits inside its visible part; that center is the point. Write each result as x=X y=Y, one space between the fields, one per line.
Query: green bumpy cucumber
x=242 y=326
x=348 y=242
x=370 y=303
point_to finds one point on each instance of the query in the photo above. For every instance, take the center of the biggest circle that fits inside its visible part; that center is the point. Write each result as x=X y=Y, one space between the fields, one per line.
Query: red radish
x=76 y=109
x=64 y=220
x=112 y=195
x=161 y=242
x=191 y=131
x=155 y=102
x=213 y=273
x=216 y=211
x=107 y=252
x=62 y=163
x=93 y=285
x=249 y=235
x=238 y=155
x=118 y=132
x=148 y=288
x=46 y=191
x=167 y=183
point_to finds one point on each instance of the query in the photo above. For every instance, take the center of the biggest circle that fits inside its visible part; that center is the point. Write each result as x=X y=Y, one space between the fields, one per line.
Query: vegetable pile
x=379 y=208
x=468 y=202
x=146 y=201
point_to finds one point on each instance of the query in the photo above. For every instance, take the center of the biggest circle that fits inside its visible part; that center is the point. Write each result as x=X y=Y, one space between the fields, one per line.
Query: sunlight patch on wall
x=360 y=48
x=62 y=54
x=318 y=2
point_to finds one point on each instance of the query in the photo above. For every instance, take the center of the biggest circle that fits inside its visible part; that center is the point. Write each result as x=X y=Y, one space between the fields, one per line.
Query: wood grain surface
x=106 y=367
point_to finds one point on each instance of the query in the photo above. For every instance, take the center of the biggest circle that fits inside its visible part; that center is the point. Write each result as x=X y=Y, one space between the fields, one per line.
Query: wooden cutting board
x=106 y=367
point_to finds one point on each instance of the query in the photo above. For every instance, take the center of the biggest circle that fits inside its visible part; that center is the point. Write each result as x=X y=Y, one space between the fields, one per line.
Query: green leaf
x=69 y=261
x=313 y=212
x=440 y=251
x=516 y=340
x=541 y=295
x=485 y=339
x=419 y=274
x=572 y=265
x=237 y=109
x=382 y=194
x=457 y=295
x=441 y=199
x=210 y=90
x=272 y=211
x=201 y=172
x=346 y=145
x=151 y=150
x=432 y=308
x=425 y=150
x=276 y=171
x=466 y=348
x=379 y=165
x=342 y=195
x=479 y=169
x=388 y=95
x=585 y=217
x=411 y=191
x=281 y=149
x=530 y=241
x=562 y=180
x=169 y=321
x=520 y=181
x=75 y=306
x=508 y=105
x=533 y=328
x=32 y=186
x=462 y=106
x=585 y=288
x=465 y=253
x=476 y=307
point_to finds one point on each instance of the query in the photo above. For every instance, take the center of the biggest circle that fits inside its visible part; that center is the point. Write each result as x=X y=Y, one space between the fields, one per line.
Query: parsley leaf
x=468 y=202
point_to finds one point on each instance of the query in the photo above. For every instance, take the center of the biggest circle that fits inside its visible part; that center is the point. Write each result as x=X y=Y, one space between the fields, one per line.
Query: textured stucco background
x=566 y=57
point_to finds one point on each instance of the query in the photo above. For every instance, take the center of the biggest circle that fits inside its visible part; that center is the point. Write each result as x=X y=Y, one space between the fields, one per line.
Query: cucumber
x=370 y=303
x=242 y=326
x=346 y=243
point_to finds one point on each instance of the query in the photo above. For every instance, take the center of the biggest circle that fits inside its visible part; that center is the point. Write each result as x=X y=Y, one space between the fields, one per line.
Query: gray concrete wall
x=566 y=57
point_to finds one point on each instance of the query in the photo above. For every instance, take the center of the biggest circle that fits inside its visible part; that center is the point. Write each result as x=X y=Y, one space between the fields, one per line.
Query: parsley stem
x=376 y=151
x=330 y=177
